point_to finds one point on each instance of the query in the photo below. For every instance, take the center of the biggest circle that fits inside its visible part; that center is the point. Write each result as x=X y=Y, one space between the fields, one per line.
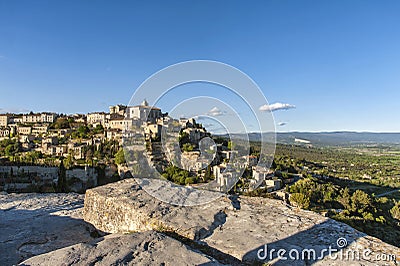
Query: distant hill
x=340 y=138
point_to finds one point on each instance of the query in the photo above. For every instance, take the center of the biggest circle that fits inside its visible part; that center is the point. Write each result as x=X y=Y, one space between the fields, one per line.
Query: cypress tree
x=62 y=179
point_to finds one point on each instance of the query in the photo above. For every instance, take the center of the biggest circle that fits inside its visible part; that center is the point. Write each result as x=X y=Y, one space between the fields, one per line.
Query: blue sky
x=338 y=62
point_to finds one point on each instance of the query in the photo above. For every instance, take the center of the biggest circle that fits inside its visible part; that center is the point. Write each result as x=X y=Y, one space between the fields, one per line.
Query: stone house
x=24 y=130
x=50 y=140
x=152 y=131
x=77 y=150
x=260 y=175
x=39 y=129
x=118 y=109
x=4 y=120
x=4 y=132
x=39 y=118
x=117 y=121
x=144 y=112
x=54 y=150
x=273 y=184
x=97 y=118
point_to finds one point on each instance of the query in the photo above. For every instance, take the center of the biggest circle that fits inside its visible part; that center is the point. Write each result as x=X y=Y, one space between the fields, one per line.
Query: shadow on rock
x=305 y=247
x=27 y=233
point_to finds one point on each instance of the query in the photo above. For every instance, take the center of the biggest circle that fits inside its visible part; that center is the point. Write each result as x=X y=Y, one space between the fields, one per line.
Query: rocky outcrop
x=236 y=228
x=146 y=231
x=147 y=248
x=125 y=207
x=32 y=224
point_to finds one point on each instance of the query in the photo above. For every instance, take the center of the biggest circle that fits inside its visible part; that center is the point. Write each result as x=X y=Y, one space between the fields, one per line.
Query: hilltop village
x=48 y=152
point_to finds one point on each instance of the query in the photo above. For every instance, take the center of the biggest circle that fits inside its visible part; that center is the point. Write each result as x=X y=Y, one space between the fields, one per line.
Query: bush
x=187 y=147
x=120 y=157
x=189 y=180
x=395 y=211
x=301 y=200
x=360 y=201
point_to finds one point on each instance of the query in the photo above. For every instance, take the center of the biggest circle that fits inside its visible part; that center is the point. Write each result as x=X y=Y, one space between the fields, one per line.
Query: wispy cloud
x=13 y=110
x=276 y=106
x=208 y=125
x=215 y=111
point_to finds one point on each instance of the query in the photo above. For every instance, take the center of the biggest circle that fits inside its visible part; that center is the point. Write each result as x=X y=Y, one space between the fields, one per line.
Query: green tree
x=177 y=175
x=61 y=123
x=231 y=145
x=183 y=138
x=120 y=157
x=89 y=155
x=12 y=149
x=187 y=147
x=81 y=132
x=345 y=198
x=208 y=174
x=62 y=179
x=70 y=160
x=360 y=201
x=98 y=129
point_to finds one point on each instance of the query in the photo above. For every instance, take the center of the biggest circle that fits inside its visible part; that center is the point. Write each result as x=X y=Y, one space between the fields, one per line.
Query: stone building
x=24 y=130
x=39 y=118
x=97 y=118
x=4 y=120
x=143 y=112
x=118 y=109
x=4 y=132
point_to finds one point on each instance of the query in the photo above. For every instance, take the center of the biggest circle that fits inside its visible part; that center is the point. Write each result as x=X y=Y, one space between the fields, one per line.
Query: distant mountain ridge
x=339 y=138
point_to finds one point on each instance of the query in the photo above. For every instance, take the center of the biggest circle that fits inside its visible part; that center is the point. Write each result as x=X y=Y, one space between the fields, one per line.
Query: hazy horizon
x=250 y=132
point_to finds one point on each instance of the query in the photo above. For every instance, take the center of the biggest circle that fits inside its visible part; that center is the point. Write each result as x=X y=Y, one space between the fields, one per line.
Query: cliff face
x=236 y=230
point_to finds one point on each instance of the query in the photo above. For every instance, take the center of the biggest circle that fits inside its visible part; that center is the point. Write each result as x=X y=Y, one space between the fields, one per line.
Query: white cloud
x=276 y=106
x=215 y=111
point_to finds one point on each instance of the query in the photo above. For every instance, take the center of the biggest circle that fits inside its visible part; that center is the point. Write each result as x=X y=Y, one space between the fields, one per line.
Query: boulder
x=242 y=228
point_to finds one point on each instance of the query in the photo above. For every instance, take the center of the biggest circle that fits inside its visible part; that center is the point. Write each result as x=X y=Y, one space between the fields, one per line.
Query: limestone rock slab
x=32 y=224
x=145 y=248
x=235 y=227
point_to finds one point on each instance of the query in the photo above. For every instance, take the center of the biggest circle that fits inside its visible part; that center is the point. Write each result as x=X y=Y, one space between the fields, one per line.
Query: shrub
x=301 y=200
x=360 y=201
x=395 y=211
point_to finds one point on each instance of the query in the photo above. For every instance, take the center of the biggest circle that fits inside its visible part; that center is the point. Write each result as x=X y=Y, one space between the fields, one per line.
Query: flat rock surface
x=145 y=248
x=32 y=224
x=236 y=227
